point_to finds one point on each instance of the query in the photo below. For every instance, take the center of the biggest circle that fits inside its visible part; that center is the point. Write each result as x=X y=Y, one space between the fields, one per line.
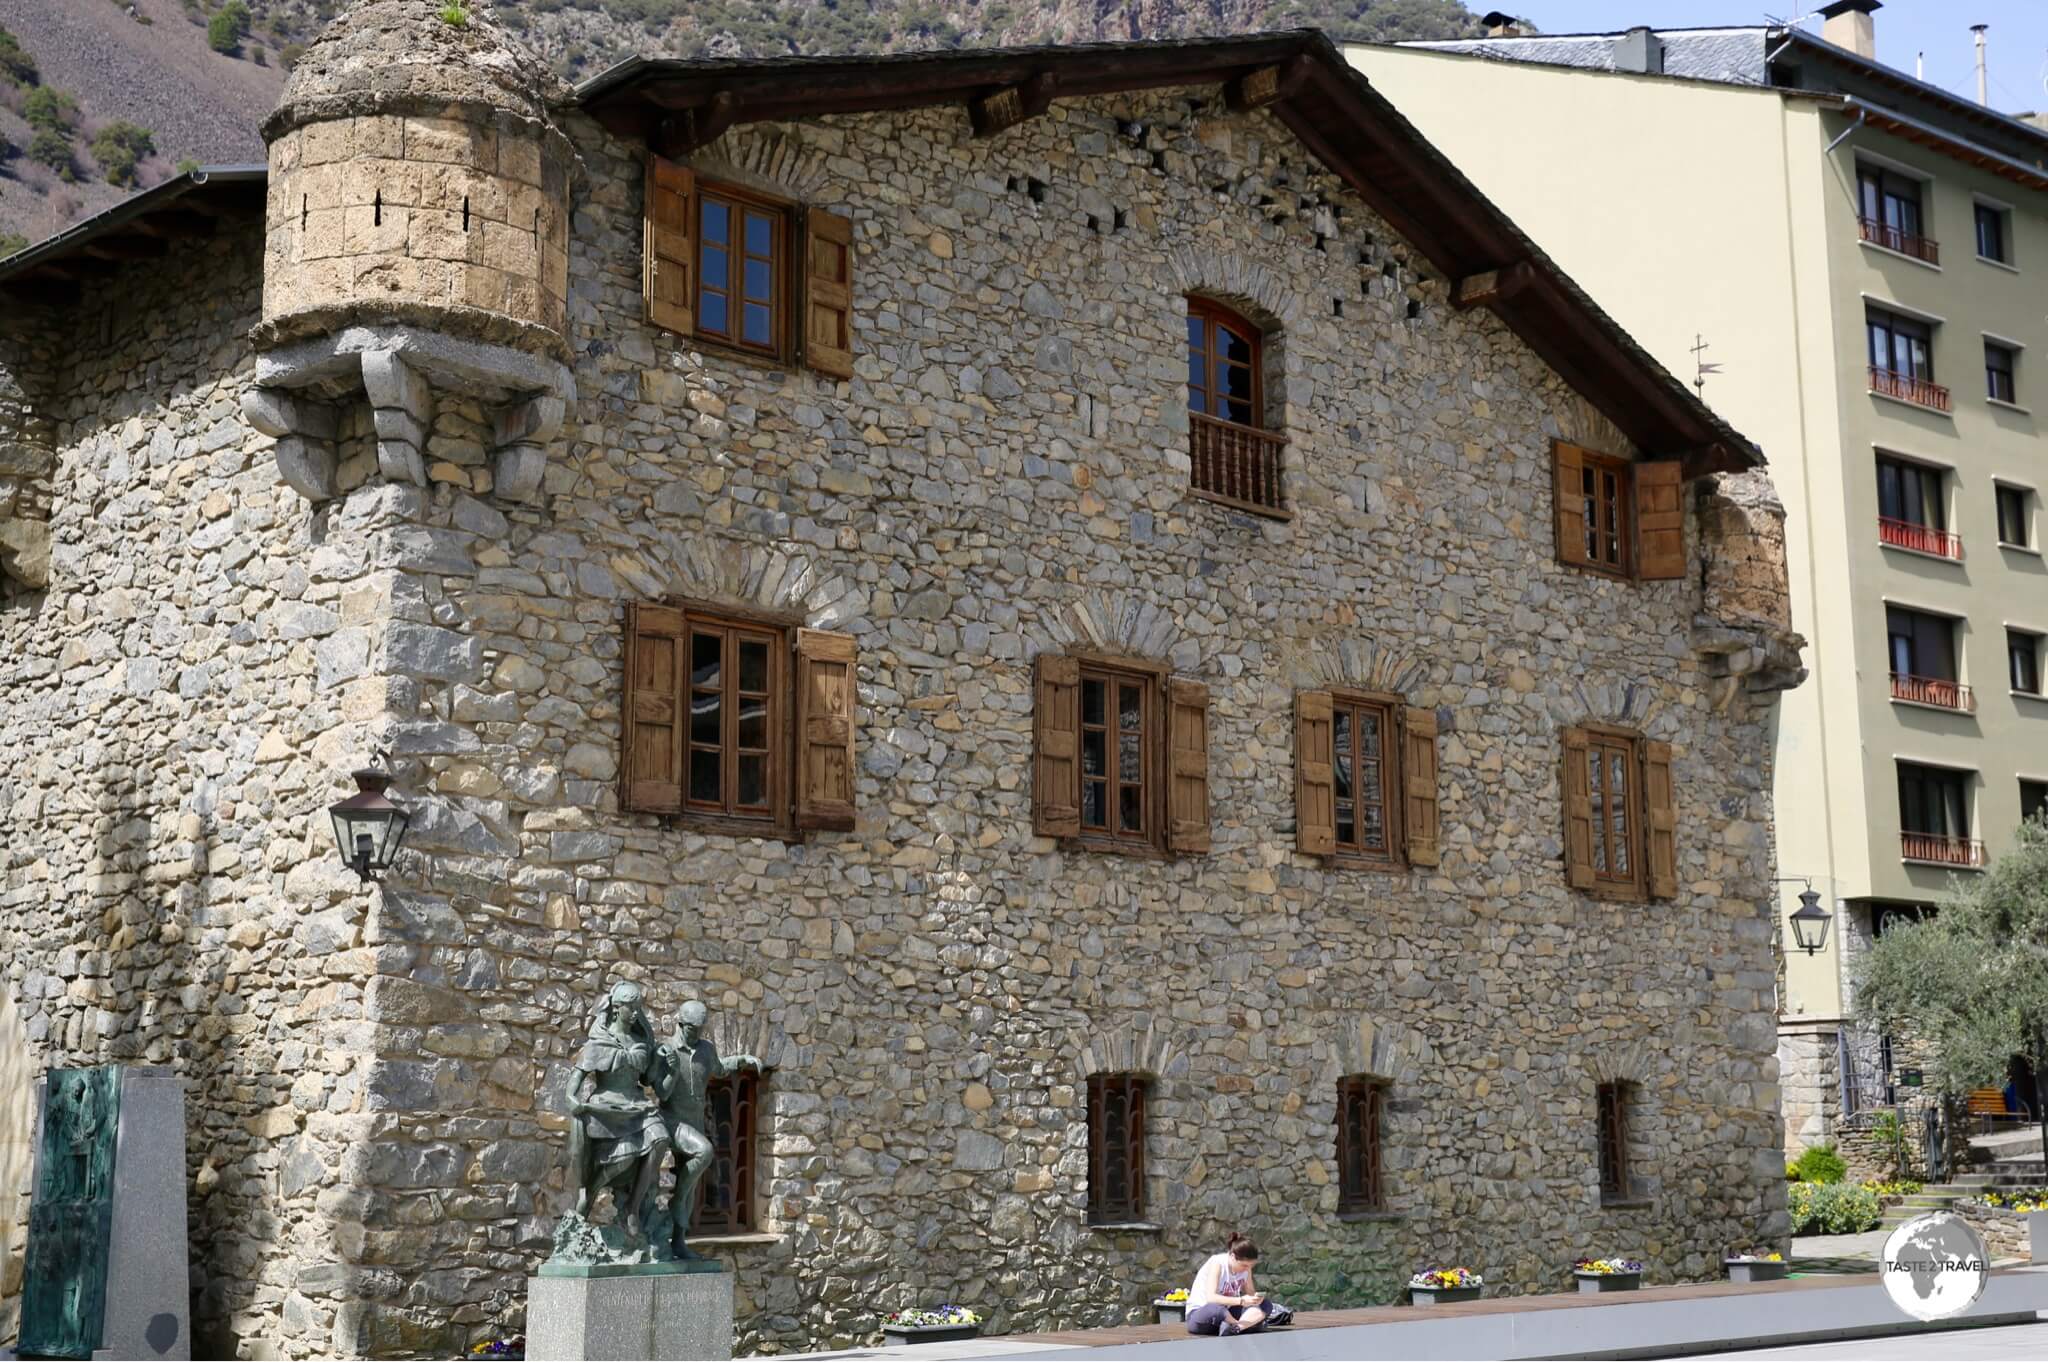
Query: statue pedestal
x=602 y=1312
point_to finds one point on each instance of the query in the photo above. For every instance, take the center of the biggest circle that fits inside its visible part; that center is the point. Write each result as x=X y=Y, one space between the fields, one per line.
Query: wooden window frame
x=1393 y=778
x=1611 y=1135
x=1128 y=1145
x=1239 y=464
x=731 y=626
x=783 y=271
x=1153 y=738
x=1361 y=1169
x=1635 y=887
x=734 y=1159
x=1213 y=314
x=1622 y=529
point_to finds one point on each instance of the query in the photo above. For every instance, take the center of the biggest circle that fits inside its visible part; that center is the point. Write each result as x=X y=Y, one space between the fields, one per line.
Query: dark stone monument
x=106 y=1269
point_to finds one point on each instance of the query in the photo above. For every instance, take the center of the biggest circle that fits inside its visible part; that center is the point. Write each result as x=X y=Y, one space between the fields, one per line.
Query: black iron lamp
x=1810 y=923
x=368 y=827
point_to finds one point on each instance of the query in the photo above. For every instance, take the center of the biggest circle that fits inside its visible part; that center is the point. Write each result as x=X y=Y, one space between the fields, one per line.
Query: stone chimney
x=1639 y=50
x=1500 y=25
x=1849 y=26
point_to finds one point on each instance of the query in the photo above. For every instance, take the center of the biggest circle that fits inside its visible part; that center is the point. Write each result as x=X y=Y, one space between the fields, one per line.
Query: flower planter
x=1593 y=1283
x=1442 y=1295
x=1754 y=1270
x=906 y=1335
x=1170 y=1312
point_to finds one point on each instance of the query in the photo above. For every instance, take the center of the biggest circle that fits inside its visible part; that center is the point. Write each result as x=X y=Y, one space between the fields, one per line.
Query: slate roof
x=1732 y=55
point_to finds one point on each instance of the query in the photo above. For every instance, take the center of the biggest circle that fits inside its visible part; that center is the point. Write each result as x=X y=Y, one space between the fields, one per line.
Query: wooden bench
x=1988 y=1105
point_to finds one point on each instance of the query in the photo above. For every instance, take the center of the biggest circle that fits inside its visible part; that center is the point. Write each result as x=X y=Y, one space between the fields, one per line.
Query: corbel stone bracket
x=401 y=371
x=1763 y=659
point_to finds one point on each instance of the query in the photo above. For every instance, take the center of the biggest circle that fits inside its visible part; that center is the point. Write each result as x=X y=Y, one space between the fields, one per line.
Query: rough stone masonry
x=374 y=1072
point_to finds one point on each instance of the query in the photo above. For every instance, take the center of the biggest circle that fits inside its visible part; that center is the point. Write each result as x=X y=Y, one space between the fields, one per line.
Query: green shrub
x=288 y=55
x=1832 y=1208
x=16 y=66
x=49 y=109
x=53 y=149
x=11 y=242
x=227 y=28
x=119 y=147
x=455 y=16
x=187 y=166
x=1820 y=1163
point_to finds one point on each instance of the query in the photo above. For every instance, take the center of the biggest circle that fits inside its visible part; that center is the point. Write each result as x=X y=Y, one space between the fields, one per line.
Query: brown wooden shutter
x=1418 y=779
x=1571 y=504
x=1578 y=811
x=824 y=726
x=1660 y=820
x=1056 y=758
x=651 y=773
x=1660 y=520
x=668 y=248
x=828 y=293
x=1187 y=768
x=1315 y=774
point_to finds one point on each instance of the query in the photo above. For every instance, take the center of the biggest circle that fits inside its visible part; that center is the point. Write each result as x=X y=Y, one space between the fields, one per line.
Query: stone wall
x=377 y=1075
x=2007 y=1234
x=1809 y=1082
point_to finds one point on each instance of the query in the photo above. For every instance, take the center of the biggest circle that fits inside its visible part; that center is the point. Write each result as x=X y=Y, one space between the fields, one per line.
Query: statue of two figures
x=632 y=1100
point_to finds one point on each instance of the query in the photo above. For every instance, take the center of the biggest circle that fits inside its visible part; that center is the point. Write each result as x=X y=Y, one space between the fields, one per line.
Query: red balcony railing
x=1906 y=388
x=1239 y=465
x=1905 y=243
x=1905 y=534
x=1941 y=849
x=1932 y=690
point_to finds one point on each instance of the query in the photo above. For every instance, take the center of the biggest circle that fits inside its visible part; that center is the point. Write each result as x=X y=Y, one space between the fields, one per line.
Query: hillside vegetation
x=102 y=97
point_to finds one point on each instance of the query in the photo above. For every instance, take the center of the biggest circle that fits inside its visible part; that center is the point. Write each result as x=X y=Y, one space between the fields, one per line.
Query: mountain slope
x=155 y=63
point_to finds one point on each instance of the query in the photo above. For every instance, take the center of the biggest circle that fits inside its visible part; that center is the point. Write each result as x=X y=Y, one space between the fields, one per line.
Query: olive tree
x=1972 y=980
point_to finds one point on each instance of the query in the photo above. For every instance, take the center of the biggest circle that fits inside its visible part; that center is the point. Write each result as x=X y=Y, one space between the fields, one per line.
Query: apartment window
x=1923 y=659
x=1235 y=459
x=1992 y=233
x=2034 y=799
x=1116 y=1148
x=2012 y=517
x=1361 y=1105
x=1620 y=814
x=1616 y=1180
x=1934 y=815
x=736 y=724
x=1912 y=508
x=1899 y=345
x=1121 y=755
x=2023 y=658
x=1889 y=208
x=1999 y=362
x=725 y=1196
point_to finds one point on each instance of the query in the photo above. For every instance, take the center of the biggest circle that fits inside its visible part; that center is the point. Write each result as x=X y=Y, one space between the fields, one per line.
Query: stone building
x=750 y=501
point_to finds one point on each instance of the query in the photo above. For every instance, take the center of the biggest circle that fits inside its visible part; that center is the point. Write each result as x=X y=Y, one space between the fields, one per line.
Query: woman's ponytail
x=1241 y=1247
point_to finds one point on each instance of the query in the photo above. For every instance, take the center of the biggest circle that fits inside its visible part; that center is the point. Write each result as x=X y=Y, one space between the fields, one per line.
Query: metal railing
x=1237 y=465
x=1905 y=243
x=1919 y=391
x=1934 y=690
x=1941 y=849
x=1907 y=534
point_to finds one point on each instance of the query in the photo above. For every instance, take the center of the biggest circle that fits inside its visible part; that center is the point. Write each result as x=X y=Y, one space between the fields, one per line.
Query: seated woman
x=1223 y=1299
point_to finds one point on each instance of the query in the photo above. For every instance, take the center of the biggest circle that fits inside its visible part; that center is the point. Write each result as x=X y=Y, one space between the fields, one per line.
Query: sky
x=2018 y=37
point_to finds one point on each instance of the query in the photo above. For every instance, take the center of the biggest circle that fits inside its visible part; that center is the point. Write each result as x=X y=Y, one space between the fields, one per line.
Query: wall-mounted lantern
x=368 y=828
x=1810 y=923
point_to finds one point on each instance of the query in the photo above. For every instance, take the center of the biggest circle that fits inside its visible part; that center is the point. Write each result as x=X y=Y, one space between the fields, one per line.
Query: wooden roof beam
x=1013 y=104
x=174 y=224
x=127 y=248
x=1267 y=85
x=679 y=133
x=1493 y=286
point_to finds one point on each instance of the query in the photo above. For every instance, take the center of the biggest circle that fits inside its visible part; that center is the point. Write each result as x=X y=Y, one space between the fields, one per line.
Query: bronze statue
x=689 y=1063
x=617 y=1137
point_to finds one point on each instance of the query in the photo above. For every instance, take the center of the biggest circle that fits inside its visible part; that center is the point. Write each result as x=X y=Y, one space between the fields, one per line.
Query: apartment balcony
x=1905 y=243
x=1236 y=465
x=1935 y=692
x=1907 y=534
x=1906 y=388
x=1933 y=848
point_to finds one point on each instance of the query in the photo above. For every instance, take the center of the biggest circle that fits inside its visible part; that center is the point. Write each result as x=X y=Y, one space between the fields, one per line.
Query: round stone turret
x=417 y=176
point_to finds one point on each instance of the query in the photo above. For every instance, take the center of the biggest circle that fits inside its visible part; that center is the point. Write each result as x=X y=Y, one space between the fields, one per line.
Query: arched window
x=1235 y=459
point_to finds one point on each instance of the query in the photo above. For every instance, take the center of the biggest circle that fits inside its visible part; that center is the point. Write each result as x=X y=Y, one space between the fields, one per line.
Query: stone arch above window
x=1367 y=1048
x=767 y=158
x=1622 y=703
x=1121 y=624
x=1141 y=1046
x=778 y=580
x=1363 y=662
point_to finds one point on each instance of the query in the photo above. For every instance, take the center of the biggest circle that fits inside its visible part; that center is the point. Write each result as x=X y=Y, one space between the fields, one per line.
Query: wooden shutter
x=828 y=293
x=1571 y=503
x=1056 y=755
x=824 y=726
x=1187 y=769
x=1315 y=777
x=1578 y=811
x=651 y=773
x=668 y=247
x=1418 y=781
x=1660 y=820
x=1660 y=520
